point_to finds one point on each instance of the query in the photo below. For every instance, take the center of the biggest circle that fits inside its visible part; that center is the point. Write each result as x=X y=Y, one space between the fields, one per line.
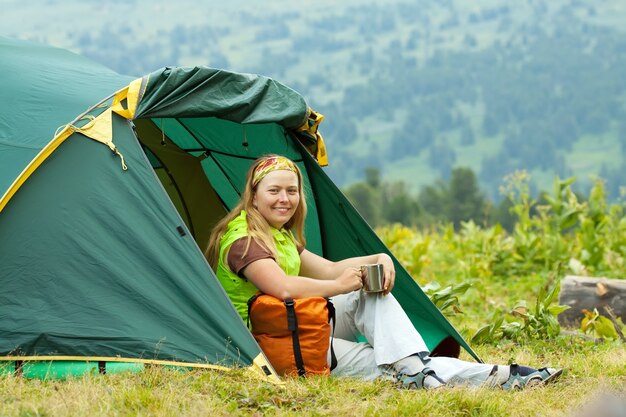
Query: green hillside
x=413 y=89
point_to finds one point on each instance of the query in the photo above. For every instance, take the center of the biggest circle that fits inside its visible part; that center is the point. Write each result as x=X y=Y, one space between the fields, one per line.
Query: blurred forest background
x=429 y=105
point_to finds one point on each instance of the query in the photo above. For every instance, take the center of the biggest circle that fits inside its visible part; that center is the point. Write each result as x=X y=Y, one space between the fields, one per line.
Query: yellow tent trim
x=257 y=369
x=263 y=369
x=113 y=359
x=131 y=94
x=322 y=156
x=99 y=129
x=34 y=164
x=311 y=126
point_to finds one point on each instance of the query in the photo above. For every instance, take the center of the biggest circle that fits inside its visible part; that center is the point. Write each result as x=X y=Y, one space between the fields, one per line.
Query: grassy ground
x=591 y=371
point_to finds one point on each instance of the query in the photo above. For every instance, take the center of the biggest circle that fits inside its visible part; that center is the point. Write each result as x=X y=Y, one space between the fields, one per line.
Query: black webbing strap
x=331 y=316
x=251 y=301
x=292 y=325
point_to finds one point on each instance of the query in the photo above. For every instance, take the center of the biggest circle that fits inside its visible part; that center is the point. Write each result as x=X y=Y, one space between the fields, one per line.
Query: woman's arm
x=268 y=277
x=315 y=266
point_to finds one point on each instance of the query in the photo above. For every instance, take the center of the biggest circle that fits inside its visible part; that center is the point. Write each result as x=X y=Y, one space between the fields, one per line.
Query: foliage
x=446 y=299
x=539 y=322
x=513 y=275
x=600 y=326
x=457 y=200
x=565 y=228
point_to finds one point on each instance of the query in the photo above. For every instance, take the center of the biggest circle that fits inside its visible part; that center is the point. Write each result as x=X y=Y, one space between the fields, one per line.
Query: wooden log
x=588 y=293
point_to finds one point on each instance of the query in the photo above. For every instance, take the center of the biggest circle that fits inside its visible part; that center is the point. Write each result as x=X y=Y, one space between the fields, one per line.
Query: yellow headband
x=273 y=163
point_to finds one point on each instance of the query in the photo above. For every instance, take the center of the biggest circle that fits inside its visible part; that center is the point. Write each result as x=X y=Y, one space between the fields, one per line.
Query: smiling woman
x=277 y=196
x=260 y=247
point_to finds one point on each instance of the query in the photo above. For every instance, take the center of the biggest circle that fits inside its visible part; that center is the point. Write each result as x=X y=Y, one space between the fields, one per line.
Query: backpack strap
x=292 y=325
x=251 y=301
x=331 y=317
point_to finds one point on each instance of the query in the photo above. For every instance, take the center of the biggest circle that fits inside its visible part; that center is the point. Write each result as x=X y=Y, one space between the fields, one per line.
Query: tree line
x=454 y=201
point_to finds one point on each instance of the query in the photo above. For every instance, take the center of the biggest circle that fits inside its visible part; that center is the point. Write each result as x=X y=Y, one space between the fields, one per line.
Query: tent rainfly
x=109 y=187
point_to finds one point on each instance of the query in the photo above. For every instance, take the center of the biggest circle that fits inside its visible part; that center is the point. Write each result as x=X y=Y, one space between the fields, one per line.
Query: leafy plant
x=539 y=322
x=446 y=299
x=600 y=326
x=491 y=332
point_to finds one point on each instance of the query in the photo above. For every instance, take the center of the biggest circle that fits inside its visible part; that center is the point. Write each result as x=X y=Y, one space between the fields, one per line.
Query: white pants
x=390 y=337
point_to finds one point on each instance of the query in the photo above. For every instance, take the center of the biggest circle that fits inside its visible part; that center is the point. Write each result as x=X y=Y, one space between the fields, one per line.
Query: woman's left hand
x=390 y=272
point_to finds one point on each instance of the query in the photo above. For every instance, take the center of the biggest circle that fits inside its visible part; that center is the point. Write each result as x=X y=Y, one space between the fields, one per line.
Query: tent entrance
x=184 y=180
x=202 y=163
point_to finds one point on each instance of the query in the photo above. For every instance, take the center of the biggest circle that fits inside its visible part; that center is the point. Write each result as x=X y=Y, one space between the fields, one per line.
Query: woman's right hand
x=350 y=280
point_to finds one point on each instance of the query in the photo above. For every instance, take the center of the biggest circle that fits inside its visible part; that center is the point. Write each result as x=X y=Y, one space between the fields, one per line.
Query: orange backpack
x=293 y=334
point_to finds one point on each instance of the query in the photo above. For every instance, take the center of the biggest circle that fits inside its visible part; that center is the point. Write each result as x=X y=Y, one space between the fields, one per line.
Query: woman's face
x=277 y=197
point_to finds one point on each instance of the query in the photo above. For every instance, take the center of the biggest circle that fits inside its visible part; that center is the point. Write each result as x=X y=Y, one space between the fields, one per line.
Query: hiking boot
x=541 y=376
x=425 y=379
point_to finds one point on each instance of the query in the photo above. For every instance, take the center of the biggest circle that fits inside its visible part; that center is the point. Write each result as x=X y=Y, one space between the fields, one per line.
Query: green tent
x=109 y=187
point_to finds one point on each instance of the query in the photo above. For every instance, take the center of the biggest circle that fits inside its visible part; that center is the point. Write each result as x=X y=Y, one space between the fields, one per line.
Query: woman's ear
x=254 y=201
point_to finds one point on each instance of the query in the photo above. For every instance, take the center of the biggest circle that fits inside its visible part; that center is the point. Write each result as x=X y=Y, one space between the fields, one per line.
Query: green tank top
x=239 y=289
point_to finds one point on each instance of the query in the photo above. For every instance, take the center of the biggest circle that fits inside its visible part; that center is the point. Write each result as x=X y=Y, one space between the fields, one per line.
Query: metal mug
x=373 y=277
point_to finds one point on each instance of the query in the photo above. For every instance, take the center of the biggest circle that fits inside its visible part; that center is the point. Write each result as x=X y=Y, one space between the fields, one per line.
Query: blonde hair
x=258 y=227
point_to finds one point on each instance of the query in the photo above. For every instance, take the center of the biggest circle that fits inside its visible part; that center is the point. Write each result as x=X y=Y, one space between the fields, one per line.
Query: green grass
x=590 y=370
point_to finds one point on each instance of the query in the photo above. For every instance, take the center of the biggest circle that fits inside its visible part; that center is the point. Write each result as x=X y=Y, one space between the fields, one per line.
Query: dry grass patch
x=590 y=371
